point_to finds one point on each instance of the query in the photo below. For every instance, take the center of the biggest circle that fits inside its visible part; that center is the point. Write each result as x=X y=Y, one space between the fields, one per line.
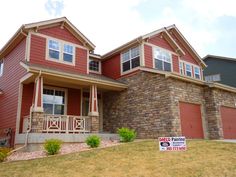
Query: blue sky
x=209 y=25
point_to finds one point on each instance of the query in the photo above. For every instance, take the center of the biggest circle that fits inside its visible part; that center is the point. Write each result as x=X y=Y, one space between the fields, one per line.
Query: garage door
x=191 y=120
x=228 y=117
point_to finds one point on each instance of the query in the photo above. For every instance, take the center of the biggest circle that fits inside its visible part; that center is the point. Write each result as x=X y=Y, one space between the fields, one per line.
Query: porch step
x=39 y=138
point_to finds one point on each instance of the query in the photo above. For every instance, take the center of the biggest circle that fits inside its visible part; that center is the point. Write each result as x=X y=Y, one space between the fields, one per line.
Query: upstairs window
x=94 y=65
x=162 y=60
x=68 y=53
x=54 y=49
x=1 y=67
x=213 y=78
x=60 y=51
x=196 y=72
x=130 y=59
x=188 y=68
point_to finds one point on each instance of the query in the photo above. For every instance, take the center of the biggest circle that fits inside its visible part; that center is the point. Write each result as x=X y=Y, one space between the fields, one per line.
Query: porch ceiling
x=70 y=79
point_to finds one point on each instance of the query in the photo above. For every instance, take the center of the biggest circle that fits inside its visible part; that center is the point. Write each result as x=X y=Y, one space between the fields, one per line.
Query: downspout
x=27 y=133
x=30 y=126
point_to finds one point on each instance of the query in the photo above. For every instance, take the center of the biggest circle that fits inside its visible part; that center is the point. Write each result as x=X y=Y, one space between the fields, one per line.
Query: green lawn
x=203 y=158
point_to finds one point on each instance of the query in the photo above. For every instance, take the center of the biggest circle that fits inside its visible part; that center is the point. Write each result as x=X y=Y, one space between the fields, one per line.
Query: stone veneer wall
x=215 y=98
x=150 y=105
x=145 y=106
x=186 y=92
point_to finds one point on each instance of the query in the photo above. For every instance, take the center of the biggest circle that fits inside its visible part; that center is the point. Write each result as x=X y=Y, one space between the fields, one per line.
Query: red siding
x=187 y=57
x=27 y=98
x=38 y=56
x=161 y=42
x=9 y=83
x=175 y=61
x=74 y=101
x=111 y=67
x=60 y=33
x=148 y=56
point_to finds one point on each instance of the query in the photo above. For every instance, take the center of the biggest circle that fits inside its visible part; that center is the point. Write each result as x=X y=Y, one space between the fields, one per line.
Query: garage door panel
x=191 y=121
x=228 y=117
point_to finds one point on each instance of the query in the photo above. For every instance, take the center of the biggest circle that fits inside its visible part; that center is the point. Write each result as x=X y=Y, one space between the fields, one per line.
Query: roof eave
x=11 y=41
x=122 y=47
x=61 y=20
x=203 y=64
x=115 y=85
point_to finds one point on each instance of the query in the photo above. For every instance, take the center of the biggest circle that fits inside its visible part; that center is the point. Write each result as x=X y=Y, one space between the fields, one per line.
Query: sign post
x=172 y=143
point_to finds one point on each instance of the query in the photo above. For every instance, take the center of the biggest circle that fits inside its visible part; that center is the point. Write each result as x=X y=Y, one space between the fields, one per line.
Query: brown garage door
x=228 y=117
x=191 y=120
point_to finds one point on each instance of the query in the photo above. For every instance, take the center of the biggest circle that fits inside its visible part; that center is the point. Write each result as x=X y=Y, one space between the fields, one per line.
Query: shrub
x=93 y=141
x=52 y=146
x=4 y=153
x=126 y=134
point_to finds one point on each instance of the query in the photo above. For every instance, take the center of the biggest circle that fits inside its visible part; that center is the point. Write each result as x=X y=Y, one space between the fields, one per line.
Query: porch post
x=37 y=111
x=93 y=109
x=38 y=94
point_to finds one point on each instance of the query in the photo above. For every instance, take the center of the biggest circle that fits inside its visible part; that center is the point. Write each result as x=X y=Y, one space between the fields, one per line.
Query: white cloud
x=54 y=7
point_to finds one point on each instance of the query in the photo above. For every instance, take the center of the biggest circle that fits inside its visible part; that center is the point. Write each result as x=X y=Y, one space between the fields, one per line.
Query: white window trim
x=181 y=63
x=61 y=51
x=192 y=69
x=99 y=69
x=211 y=78
x=1 y=67
x=59 y=89
x=153 y=57
x=131 y=69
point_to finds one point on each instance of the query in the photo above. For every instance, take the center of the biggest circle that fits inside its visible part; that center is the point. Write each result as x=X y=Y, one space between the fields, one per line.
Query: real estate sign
x=172 y=143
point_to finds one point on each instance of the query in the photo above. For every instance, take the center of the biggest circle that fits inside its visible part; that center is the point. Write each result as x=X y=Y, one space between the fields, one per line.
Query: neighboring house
x=53 y=86
x=220 y=69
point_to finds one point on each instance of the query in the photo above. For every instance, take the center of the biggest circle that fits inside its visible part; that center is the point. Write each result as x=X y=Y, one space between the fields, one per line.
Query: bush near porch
x=141 y=158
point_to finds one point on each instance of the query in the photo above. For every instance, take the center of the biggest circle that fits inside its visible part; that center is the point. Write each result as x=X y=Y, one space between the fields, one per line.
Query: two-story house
x=53 y=86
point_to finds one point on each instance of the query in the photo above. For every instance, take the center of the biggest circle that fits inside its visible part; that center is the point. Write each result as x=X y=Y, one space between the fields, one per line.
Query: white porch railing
x=66 y=124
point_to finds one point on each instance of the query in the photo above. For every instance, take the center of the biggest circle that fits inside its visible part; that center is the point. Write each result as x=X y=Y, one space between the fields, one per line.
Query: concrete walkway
x=228 y=140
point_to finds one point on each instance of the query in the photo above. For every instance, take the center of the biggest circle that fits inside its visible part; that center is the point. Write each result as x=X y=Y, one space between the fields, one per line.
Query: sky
x=208 y=25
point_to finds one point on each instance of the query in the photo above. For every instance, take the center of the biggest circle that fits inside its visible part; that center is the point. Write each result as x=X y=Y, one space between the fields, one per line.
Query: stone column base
x=37 y=122
x=94 y=124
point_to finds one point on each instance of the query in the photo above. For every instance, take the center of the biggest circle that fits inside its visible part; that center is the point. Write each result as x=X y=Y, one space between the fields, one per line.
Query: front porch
x=55 y=106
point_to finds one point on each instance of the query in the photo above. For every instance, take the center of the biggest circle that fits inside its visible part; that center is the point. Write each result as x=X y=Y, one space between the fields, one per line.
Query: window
x=60 y=51
x=213 y=78
x=54 y=49
x=196 y=72
x=181 y=67
x=188 y=68
x=94 y=65
x=162 y=60
x=54 y=101
x=68 y=53
x=1 y=67
x=130 y=59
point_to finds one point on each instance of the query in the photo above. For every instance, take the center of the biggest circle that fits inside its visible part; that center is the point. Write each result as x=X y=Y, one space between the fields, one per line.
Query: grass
x=141 y=159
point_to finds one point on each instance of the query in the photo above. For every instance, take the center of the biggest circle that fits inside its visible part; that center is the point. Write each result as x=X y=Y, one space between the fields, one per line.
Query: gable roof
x=218 y=57
x=24 y=29
x=166 y=33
